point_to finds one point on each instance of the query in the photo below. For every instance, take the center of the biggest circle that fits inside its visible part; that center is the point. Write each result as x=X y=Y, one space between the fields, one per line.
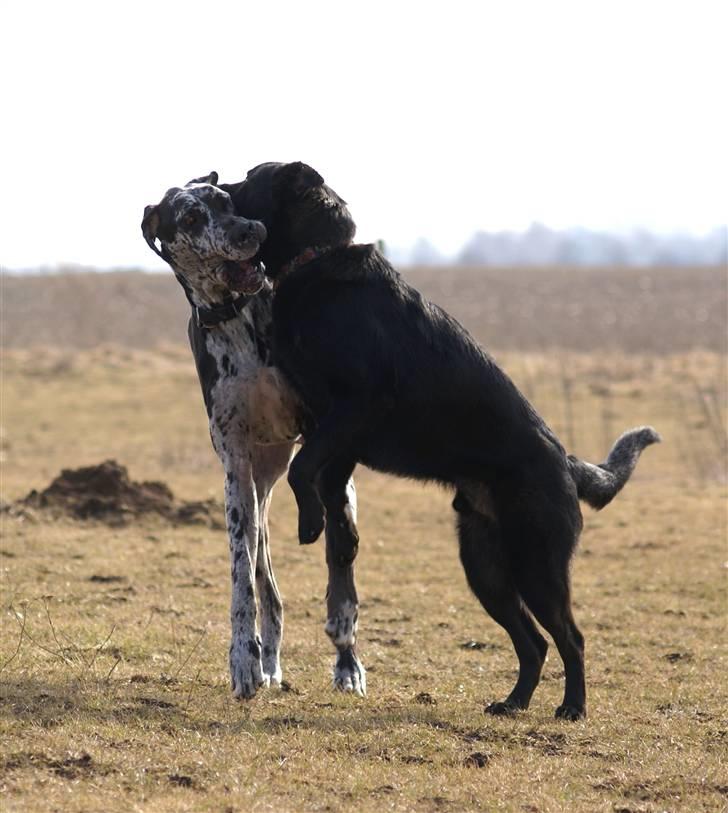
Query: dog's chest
x=227 y=358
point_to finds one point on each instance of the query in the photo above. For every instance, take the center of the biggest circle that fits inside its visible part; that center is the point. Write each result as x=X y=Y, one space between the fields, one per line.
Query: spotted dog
x=212 y=252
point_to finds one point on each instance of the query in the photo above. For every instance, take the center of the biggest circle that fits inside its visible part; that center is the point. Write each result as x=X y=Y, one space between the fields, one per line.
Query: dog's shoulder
x=343 y=279
x=362 y=260
x=344 y=264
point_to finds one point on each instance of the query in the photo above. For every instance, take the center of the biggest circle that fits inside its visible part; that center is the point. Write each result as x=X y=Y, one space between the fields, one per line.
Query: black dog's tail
x=598 y=485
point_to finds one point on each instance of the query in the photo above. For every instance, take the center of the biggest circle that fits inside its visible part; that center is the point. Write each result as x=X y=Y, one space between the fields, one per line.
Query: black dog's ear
x=150 y=224
x=211 y=179
x=298 y=178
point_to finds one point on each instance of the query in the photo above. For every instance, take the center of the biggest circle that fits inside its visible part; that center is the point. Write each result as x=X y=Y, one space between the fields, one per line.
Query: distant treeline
x=542 y=246
x=632 y=310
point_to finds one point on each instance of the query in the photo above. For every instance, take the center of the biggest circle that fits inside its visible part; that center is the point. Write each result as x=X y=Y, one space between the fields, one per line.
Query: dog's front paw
x=349 y=673
x=505 y=708
x=272 y=672
x=246 y=670
x=310 y=523
x=572 y=713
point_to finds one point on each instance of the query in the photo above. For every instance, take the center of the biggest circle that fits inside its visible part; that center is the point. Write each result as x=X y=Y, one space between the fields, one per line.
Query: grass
x=114 y=640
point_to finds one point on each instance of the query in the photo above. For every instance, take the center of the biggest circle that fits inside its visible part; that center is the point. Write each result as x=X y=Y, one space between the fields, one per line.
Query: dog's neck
x=305 y=256
x=199 y=294
x=201 y=289
x=211 y=306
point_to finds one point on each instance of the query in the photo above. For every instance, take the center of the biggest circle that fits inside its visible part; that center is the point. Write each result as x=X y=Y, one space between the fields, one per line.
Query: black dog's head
x=211 y=248
x=298 y=209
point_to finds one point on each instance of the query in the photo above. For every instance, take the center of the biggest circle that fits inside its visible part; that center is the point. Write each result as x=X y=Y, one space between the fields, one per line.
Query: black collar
x=215 y=315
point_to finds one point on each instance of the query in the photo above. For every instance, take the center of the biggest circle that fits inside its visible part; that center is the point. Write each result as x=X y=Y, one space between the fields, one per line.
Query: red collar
x=304 y=257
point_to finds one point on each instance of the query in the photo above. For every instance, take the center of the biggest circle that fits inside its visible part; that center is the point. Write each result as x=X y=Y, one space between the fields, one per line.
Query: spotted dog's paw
x=349 y=673
x=272 y=672
x=246 y=670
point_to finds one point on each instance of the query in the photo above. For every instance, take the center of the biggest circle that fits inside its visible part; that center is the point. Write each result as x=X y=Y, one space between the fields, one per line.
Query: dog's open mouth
x=245 y=277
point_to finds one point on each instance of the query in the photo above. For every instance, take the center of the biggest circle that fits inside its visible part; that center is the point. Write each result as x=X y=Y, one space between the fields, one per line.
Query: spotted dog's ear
x=297 y=178
x=150 y=225
x=212 y=178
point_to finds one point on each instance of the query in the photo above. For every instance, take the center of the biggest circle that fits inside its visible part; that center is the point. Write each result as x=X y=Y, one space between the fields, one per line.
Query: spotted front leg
x=246 y=672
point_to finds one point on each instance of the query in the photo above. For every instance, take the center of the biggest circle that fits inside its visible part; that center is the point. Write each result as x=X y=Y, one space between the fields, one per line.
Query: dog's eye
x=190 y=219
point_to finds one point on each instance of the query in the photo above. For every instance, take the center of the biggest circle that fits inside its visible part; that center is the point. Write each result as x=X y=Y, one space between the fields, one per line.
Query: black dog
x=390 y=380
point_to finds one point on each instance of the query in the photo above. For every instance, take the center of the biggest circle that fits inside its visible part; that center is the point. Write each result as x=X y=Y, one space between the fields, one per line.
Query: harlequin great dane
x=252 y=422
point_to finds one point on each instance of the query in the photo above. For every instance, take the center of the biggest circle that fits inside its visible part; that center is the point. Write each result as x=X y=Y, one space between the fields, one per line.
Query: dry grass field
x=114 y=637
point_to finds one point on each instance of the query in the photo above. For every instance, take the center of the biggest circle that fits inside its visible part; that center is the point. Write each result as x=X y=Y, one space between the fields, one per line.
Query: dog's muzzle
x=246 y=277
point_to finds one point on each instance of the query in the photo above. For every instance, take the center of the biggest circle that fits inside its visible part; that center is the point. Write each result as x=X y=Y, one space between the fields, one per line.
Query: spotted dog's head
x=298 y=209
x=211 y=249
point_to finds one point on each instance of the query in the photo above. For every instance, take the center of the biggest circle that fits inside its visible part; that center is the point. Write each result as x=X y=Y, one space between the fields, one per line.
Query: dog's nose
x=246 y=230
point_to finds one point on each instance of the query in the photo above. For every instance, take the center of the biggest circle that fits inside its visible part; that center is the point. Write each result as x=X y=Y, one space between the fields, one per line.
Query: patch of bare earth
x=105 y=493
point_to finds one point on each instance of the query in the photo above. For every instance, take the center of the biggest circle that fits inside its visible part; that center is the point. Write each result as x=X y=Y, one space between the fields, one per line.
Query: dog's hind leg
x=269 y=604
x=342 y=602
x=489 y=576
x=542 y=535
x=269 y=464
x=548 y=596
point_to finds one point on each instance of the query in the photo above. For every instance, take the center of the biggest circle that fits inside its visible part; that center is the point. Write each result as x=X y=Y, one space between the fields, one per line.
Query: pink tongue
x=242 y=277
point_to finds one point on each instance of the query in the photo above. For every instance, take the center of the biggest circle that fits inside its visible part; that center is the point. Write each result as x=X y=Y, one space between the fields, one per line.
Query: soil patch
x=105 y=493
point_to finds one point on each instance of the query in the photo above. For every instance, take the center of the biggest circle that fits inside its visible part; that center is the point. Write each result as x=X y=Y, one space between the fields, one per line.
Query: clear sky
x=431 y=119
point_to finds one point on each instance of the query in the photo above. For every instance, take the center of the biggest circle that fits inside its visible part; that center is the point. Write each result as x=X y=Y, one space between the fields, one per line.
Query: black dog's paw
x=310 y=526
x=567 y=712
x=502 y=709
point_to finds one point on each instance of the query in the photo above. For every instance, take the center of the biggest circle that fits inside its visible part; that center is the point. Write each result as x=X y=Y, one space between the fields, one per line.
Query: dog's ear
x=150 y=225
x=212 y=178
x=297 y=178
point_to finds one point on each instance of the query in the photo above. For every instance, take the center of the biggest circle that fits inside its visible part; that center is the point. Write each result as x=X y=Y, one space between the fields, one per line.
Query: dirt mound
x=104 y=493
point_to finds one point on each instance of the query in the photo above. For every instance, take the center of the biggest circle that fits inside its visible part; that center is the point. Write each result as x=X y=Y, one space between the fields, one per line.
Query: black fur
x=391 y=380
